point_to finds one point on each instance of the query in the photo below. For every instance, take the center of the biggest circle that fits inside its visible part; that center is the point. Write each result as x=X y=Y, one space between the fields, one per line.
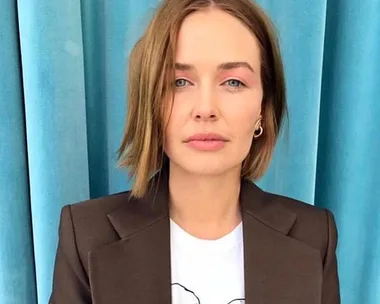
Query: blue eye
x=235 y=83
x=180 y=82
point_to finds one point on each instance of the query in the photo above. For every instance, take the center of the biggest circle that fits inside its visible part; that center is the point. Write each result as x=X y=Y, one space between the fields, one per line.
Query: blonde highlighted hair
x=150 y=82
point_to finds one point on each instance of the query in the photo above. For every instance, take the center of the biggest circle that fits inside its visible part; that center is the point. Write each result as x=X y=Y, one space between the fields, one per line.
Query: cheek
x=243 y=123
x=175 y=122
x=180 y=111
x=244 y=120
x=245 y=132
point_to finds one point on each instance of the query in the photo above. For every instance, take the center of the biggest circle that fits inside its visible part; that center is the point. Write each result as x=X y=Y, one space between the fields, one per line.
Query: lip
x=206 y=136
x=206 y=141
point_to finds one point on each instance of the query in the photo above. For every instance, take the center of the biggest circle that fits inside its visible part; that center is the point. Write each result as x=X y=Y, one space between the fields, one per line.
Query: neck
x=206 y=206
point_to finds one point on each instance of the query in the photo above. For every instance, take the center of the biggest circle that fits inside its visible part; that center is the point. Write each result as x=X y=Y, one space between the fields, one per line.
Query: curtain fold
x=55 y=121
x=348 y=173
x=301 y=27
x=63 y=103
x=17 y=275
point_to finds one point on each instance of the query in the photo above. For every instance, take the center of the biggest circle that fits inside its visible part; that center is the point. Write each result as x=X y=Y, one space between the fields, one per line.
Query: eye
x=234 y=83
x=180 y=82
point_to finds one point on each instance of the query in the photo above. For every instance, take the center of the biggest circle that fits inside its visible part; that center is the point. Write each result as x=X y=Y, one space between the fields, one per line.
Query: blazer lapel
x=136 y=269
x=278 y=268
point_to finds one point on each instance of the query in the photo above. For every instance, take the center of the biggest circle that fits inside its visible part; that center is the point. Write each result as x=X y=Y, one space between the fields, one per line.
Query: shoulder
x=313 y=225
x=88 y=223
x=302 y=209
x=96 y=210
x=90 y=216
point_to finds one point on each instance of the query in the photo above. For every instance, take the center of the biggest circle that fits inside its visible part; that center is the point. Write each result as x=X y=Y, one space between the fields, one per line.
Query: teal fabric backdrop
x=62 y=110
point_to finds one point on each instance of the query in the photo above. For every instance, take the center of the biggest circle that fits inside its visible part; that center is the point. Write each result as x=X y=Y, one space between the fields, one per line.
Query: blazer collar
x=139 y=213
x=136 y=214
x=137 y=268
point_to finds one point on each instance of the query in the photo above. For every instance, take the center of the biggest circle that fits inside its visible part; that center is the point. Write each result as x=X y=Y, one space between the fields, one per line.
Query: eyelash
x=240 y=86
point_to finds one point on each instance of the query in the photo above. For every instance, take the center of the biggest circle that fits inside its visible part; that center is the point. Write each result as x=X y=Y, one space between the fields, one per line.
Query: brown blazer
x=115 y=250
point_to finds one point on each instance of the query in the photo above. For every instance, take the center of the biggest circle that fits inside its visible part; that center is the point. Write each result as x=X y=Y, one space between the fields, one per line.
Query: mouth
x=206 y=142
x=206 y=137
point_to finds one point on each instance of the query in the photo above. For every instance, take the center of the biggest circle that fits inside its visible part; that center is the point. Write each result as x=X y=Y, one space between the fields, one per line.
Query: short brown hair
x=150 y=81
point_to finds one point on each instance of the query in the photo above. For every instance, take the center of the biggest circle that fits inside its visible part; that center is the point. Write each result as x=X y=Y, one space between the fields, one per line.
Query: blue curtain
x=62 y=111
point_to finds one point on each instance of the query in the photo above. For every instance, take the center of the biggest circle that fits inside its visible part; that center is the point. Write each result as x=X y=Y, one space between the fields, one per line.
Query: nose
x=205 y=108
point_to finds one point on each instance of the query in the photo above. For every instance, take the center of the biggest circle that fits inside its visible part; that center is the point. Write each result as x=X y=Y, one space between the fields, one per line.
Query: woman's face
x=217 y=95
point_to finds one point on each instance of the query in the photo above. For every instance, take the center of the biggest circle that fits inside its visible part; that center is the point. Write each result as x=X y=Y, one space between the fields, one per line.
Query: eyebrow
x=223 y=66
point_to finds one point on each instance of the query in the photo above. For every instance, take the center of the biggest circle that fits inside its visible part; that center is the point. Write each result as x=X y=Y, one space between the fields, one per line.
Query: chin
x=205 y=167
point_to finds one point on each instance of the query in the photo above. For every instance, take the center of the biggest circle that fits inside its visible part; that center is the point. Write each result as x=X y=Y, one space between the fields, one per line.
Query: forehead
x=213 y=36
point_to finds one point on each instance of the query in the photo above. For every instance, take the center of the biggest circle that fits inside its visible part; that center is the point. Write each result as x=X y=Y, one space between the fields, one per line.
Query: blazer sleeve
x=70 y=281
x=330 y=285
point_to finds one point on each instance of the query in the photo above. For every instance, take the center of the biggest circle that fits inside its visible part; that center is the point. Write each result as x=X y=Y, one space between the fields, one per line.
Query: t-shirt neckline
x=185 y=240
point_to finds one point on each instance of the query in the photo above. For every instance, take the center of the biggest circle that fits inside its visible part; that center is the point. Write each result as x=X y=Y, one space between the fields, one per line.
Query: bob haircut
x=151 y=81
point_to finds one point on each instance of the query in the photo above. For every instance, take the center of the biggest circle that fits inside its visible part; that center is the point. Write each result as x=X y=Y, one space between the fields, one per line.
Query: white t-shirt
x=207 y=271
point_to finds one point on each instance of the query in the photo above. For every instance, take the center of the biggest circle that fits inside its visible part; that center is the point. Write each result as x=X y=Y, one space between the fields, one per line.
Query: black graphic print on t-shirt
x=189 y=297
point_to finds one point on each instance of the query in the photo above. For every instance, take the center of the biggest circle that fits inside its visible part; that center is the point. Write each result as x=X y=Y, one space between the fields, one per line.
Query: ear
x=258 y=122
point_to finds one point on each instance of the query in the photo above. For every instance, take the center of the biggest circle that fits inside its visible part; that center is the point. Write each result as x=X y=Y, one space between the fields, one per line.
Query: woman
x=206 y=99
